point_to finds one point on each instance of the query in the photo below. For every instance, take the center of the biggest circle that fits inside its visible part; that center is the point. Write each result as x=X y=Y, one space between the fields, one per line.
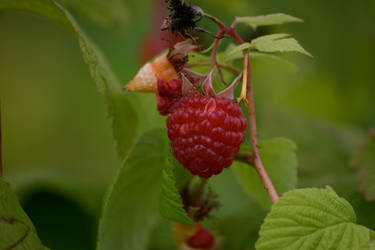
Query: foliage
x=313 y=219
x=16 y=229
x=364 y=162
x=170 y=205
x=147 y=185
x=271 y=43
x=270 y=19
x=131 y=207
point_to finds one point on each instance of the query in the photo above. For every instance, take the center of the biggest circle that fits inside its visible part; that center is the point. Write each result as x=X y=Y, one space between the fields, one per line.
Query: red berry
x=205 y=133
x=202 y=239
x=168 y=94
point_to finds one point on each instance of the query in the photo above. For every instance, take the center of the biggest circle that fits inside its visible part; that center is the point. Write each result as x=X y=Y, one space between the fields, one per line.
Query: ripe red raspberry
x=202 y=239
x=205 y=133
x=168 y=94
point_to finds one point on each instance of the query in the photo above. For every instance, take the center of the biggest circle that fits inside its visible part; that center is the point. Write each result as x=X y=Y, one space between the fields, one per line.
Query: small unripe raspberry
x=205 y=133
x=168 y=94
x=202 y=239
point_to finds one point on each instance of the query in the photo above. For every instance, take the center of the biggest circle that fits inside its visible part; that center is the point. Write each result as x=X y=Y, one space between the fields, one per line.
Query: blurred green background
x=58 y=149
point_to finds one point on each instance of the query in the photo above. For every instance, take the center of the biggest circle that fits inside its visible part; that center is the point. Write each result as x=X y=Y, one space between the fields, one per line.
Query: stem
x=247 y=86
x=254 y=138
x=220 y=33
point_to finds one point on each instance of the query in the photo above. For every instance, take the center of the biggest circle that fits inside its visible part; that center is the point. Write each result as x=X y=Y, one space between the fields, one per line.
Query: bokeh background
x=58 y=149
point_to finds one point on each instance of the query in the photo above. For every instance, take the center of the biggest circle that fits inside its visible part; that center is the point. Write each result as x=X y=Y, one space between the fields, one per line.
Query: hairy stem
x=268 y=185
x=247 y=87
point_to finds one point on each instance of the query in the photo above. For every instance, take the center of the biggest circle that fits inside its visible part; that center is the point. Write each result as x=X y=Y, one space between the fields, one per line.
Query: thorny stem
x=247 y=87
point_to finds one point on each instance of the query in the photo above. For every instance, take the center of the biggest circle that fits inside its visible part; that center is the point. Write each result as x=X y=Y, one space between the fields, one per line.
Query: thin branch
x=220 y=33
x=215 y=20
x=251 y=107
x=254 y=138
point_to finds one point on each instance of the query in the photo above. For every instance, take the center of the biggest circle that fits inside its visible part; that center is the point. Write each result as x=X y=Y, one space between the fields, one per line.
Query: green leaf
x=131 y=210
x=312 y=218
x=124 y=119
x=278 y=43
x=106 y=13
x=232 y=53
x=44 y=8
x=16 y=229
x=236 y=52
x=364 y=163
x=280 y=161
x=170 y=204
x=270 y=19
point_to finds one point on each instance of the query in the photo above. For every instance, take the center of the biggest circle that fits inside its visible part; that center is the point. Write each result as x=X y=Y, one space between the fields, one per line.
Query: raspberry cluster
x=205 y=132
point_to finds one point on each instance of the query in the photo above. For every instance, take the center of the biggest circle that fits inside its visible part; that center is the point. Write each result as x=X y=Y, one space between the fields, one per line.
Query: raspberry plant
x=153 y=194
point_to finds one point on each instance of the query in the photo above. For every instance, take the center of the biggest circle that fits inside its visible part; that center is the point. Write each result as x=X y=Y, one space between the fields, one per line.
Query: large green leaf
x=123 y=116
x=270 y=19
x=313 y=218
x=170 y=203
x=16 y=229
x=279 y=159
x=364 y=164
x=45 y=8
x=131 y=209
x=108 y=13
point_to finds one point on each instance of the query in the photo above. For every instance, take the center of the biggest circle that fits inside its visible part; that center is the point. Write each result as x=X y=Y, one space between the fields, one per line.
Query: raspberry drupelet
x=205 y=133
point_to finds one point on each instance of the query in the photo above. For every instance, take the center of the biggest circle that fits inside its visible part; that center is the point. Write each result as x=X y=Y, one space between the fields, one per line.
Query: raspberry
x=168 y=94
x=205 y=133
x=202 y=239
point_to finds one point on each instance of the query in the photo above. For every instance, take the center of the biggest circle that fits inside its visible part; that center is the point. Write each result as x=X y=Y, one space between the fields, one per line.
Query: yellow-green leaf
x=270 y=19
x=278 y=43
x=16 y=229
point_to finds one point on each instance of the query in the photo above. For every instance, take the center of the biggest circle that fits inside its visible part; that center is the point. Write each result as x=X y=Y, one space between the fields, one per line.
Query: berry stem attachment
x=247 y=91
